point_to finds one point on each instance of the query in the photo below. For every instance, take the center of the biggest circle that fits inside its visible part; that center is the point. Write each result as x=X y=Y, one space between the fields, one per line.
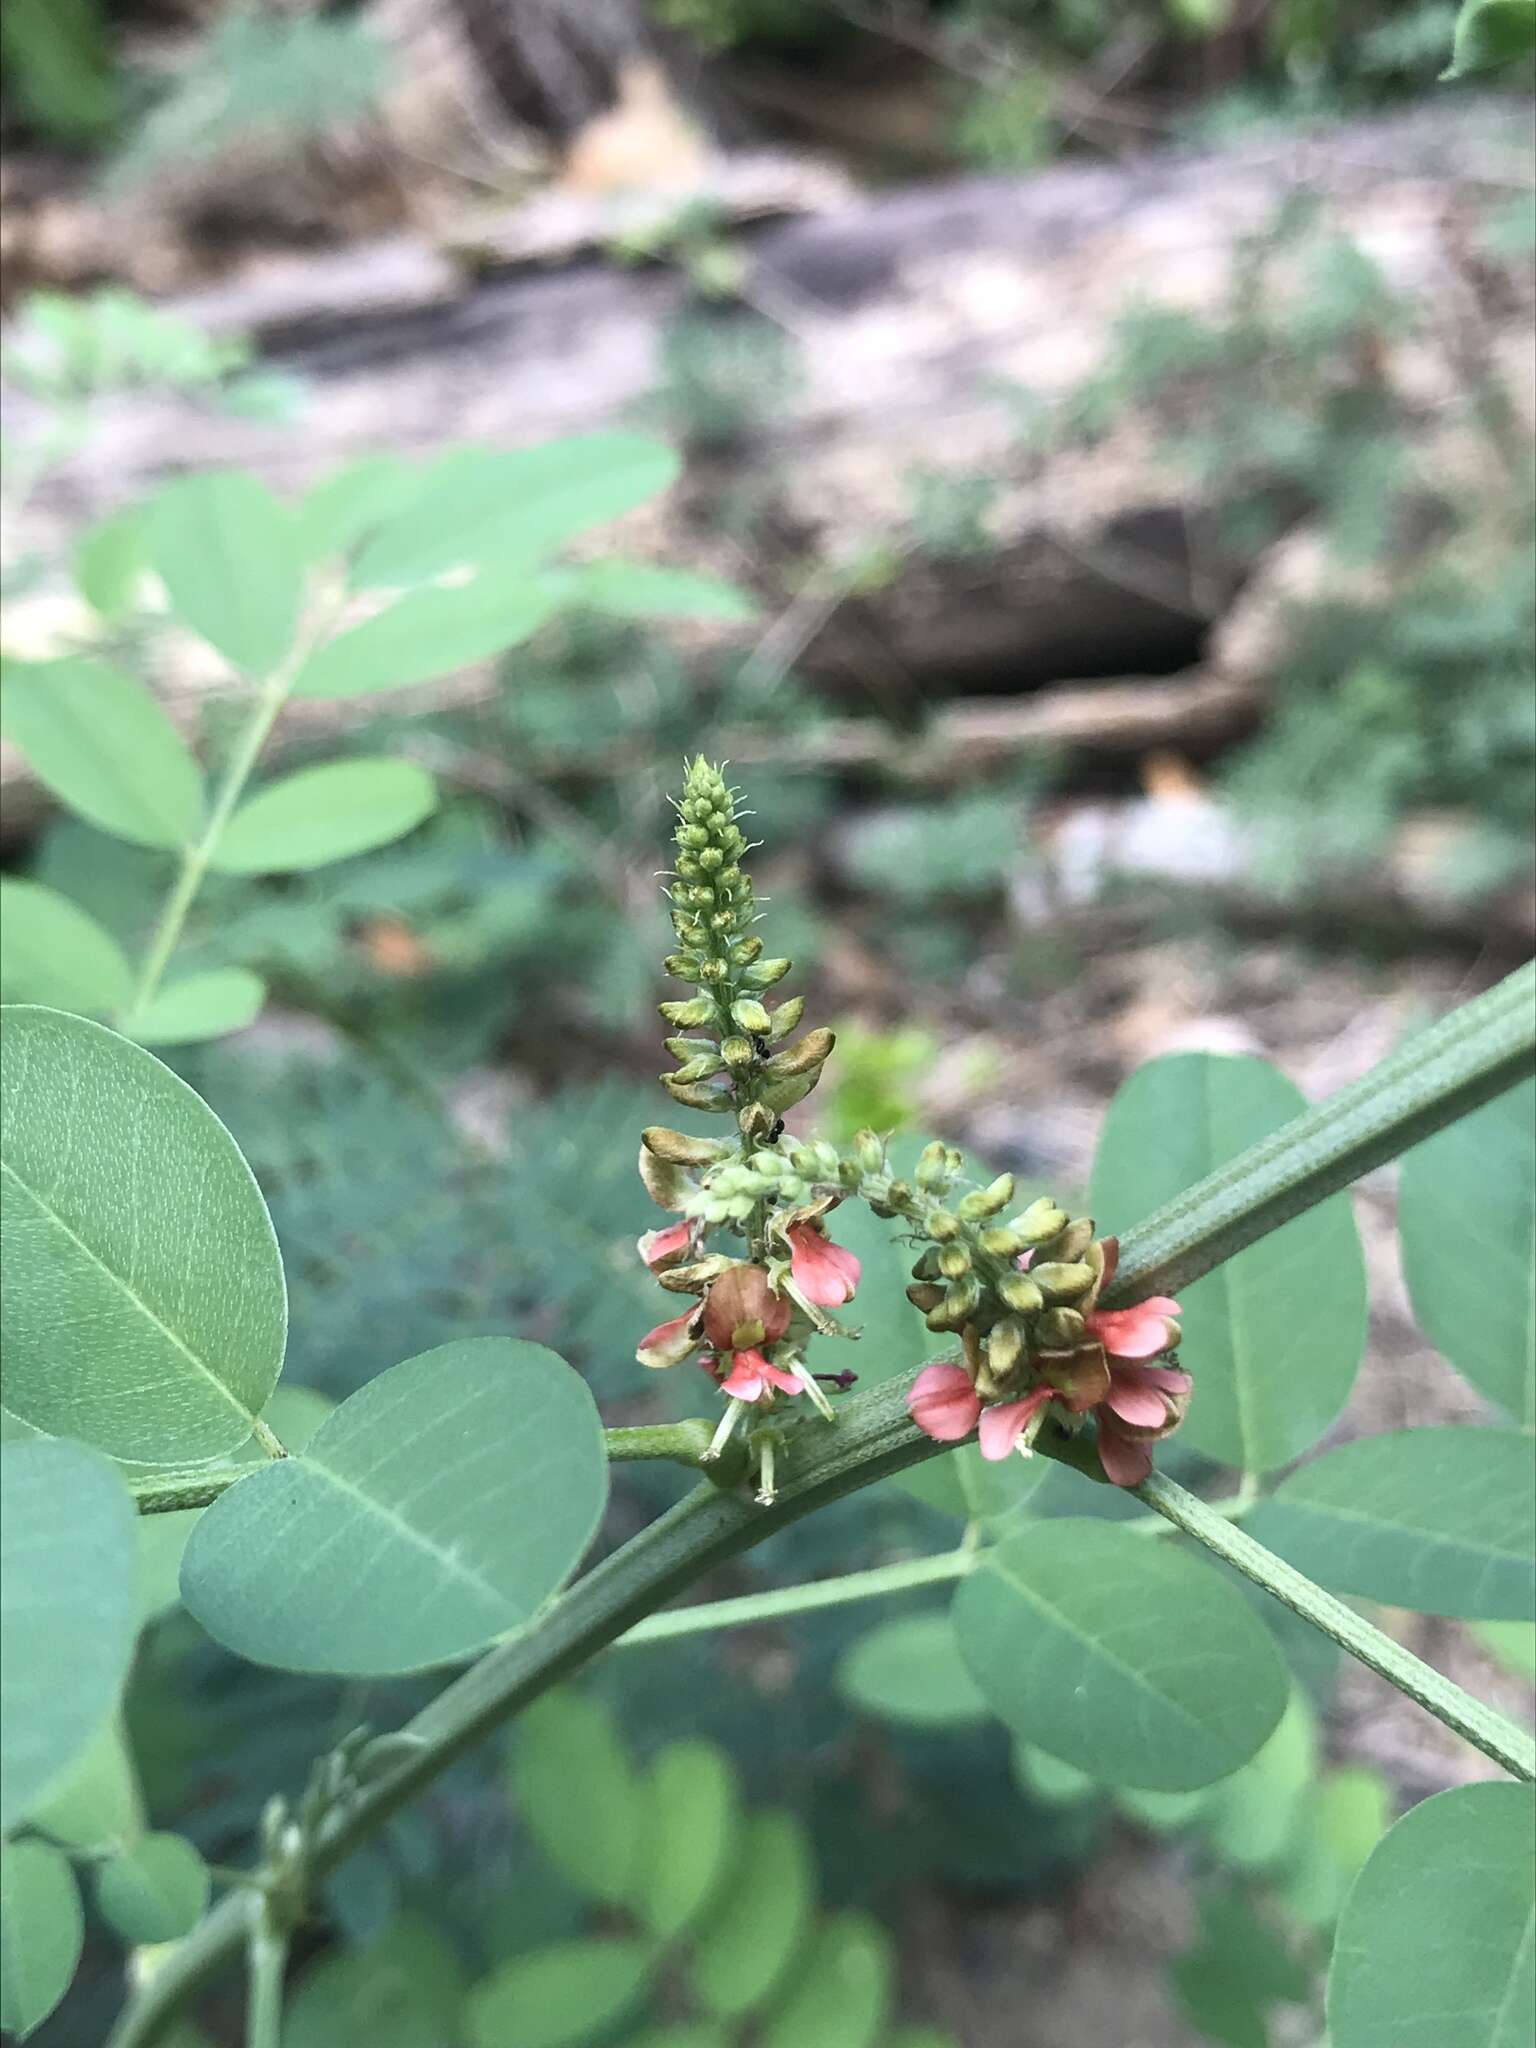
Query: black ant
x=777 y=1132
x=760 y=1045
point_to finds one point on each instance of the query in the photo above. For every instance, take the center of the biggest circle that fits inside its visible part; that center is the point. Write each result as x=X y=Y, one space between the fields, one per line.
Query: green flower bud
x=867 y=1152
x=678 y=1149
x=782 y=1095
x=941 y=1226
x=737 y=1052
x=1007 y=1344
x=681 y=966
x=749 y=1015
x=688 y=1016
x=1060 y=1282
x=932 y=1169
x=1040 y=1221
x=806 y=1056
x=926 y=1267
x=1059 y=1329
x=924 y=1295
x=785 y=1018
x=988 y=1200
x=711 y=971
x=1070 y=1244
x=959 y=1304
x=954 y=1261
x=685 y=1048
x=745 y=951
x=900 y=1196
x=1018 y=1292
x=755 y=1121
x=764 y=973
x=699 y=1068
x=999 y=1242
x=694 y=1095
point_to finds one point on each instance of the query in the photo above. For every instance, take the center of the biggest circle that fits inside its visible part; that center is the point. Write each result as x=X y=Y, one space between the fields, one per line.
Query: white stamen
x=765 y=1490
x=812 y=1386
x=722 y=1435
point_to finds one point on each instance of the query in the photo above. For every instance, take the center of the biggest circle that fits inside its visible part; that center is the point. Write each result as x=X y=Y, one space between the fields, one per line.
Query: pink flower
x=752 y=1375
x=663 y=1248
x=1144 y=1402
x=670 y=1343
x=943 y=1403
x=822 y=1271
x=1007 y=1428
x=1139 y=1332
x=741 y=1310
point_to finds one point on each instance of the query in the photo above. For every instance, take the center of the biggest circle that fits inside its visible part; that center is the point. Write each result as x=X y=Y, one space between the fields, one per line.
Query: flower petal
x=1002 y=1427
x=943 y=1403
x=1139 y=1332
x=1126 y=1460
x=1136 y=1403
x=671 y=1342
x=824 y=1272
x=666 y=1247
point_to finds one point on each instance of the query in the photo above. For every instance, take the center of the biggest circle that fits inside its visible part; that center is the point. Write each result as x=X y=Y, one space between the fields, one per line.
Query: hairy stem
x=1483 y=1728
x=1475 y=1053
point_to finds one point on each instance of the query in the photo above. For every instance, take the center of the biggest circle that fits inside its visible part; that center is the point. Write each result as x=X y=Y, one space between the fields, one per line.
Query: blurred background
x=1121 y=417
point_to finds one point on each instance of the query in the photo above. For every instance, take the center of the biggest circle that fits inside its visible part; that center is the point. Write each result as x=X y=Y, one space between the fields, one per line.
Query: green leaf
x=690 y=2034
x=232 y=562
x=1275 y=1336
x=1239 y=1969
x=1510 y=1643
x=200 y=1006
x=563 y=1996
x=636 y=590
x=68 y=1614
x=1048 y=1781
x=1475 y=1299
x=438 y=1507
x=479 y=505
x=162 y=1543
x=1127 y=1659
x=910 y=1669
x=427 y=633
x=840 y=1996
x=52 y=952
x=1345 y=1819
x=759 y=1922
x=1436 y=1945
x=144 y=1308
x=42 y=1931
x=1492 y=32
x=688 y=1837
x=346 y=506
x=1440 y=1520
x=109 y=562
x=1252 y=1819
x=324 y=814
x=1164 y=1813
x=97 y=1807
x=101 y=743
x=577 y=1793
x=154 y=1891
x=403 y=1989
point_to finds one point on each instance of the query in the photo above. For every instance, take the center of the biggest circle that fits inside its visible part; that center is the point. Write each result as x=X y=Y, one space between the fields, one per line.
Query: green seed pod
x=1020 y=1294
x=1040 y=1221
x=782 y=1095
x=685 y=1048
x=807 y=1055
x=1061 y=1282
x=688 y=1016
x=988 y=1200
x=941 y=1226
x=1059 y=1329
x=999 y=1242
x=700 y=1068
x=954 y=1261
x=681 y=966
x=932 y=1169
x=785 y=1018
x=749 y=1015
x=678 y=1149
x=694 y=1095
x=764 y=973
x=924 y=1295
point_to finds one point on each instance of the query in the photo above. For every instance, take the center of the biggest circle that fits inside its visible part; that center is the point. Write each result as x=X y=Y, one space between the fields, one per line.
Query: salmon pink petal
x=823 y=1272
x=1139 y=1332
x=659 y=1248
x=1136 y=1403
x=1126 y=1460
x=943 y=1403
x=1002 y=1427
x=668 y=1343
x=1170 y=1378
x=747 y=1378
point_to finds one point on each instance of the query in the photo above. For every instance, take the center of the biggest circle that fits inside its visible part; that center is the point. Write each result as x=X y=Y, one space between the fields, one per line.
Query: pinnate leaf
x=639 y=590
x=1492 y=32
x=323 y=814
x=231 y=559
x=577 y=1793
x=97 y=1807
x=1440 y=1520
x=1275 y=1335
x=760 y=1919
x=427 y=633
x=562 y=1996
x=1131 y=1661
x=438 y=1507
x=1436 y=1946
x=53 y=952
x=153 y=1891
x=199 y=1006
x=144 y=1308
x=840 y=1994
x=102 y=744
x=68 y=1614
x=689 y=1831
x=42 y=1931
x=910 y=1669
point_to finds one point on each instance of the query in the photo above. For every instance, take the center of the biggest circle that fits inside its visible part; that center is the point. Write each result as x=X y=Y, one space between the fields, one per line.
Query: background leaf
x=1477 y=1302
x=841 y=1992
x=68 y=1614
x=52 y=952
x=1122 y=1657
x=759 y=1921
x=1436 y=1946
x=1275 y=1336
x=41 y=1933
x=558 y=1997
x=109 y=562
x=1492 y=32
x=577 y=1793
x=144 y=1308
x=323 y=814
x=403 y=1989
x=153 y=1891
x=480 y=505
x=101 y=743
x=910 y=1669
x=438 y=1507
x=424 y=634
x=1440 y=1520
x=97 y=1806
x=688 y=1835
x=639 y=590
x=200 y=1006
x=231 y=559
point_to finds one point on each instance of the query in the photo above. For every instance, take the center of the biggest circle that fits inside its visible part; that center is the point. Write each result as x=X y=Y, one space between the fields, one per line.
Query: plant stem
x=266 y=1962
x=1440 y=1074
x=1483 y=1728
x=771 y=1606
x=685 y=1442
x=166 y=1493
